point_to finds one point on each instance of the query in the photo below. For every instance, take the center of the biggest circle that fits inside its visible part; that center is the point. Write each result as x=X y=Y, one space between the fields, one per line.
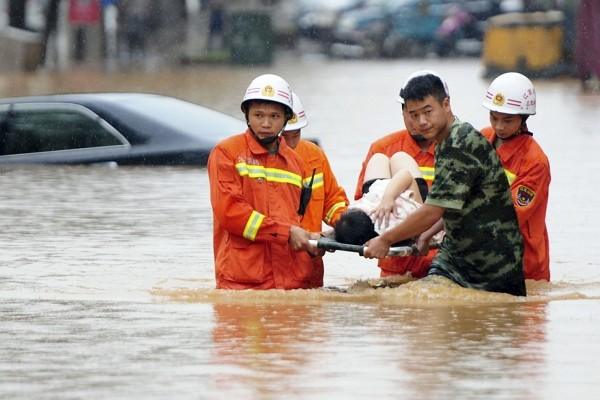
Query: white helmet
x=298 y=120
x=422 y=72
x=511 y=93
x=269 y=87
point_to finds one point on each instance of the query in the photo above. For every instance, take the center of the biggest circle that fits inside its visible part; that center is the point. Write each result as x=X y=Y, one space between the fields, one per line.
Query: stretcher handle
x=330 y=244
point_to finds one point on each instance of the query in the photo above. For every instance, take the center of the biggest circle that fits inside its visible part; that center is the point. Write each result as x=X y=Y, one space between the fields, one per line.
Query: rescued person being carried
x=393 y=188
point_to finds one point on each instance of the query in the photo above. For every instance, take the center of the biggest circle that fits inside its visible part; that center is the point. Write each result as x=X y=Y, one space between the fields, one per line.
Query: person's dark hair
x=422 y=86
x=354 y=227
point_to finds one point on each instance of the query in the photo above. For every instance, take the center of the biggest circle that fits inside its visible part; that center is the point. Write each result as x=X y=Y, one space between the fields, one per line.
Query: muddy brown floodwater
x=106 y=274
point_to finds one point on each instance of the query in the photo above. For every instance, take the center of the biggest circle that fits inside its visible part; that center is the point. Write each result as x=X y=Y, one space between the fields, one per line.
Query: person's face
x=266 y=119
x=429 y=118
x=292 y=137
x=505 y=125
x=409 y=126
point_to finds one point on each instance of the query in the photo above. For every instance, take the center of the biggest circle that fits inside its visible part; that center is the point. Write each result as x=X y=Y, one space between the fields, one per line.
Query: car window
x=26 y=129
x=191 y=118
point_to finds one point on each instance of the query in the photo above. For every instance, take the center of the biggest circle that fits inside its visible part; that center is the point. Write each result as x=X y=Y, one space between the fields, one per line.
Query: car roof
x=75 y=97
x=79 y=97
x=123 y=110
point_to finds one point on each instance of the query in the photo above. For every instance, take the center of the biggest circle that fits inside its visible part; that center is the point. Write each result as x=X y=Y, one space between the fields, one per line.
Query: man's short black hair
x=422 y=86
x=354 y=227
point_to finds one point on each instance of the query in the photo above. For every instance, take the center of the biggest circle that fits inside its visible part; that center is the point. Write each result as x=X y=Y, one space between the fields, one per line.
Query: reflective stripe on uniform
x=270 y=174
x=317 y=182
x=253 y=225
x=332 y=211
x=511 y=177
x=428 y=173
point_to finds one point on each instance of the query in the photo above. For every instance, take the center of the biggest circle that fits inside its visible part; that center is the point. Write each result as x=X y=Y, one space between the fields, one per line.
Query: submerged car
x=121 y=128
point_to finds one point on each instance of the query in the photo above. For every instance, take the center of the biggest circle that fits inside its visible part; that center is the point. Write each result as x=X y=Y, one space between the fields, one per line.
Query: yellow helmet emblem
x=499 y=99
x=268 y=91
x=294 y=119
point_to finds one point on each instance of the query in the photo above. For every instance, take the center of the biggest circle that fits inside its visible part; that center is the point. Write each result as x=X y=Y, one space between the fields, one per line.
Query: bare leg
x=378 y=167
x=402 y=161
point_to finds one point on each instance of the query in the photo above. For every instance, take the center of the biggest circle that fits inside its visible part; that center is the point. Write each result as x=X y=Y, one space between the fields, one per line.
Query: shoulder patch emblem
x=524 y=196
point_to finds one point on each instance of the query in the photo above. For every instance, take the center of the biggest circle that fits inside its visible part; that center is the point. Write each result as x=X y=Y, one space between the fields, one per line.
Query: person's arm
x=424 y=238
x=397 y=185
x=530 y=190
x=416 y=223
x=299 y=240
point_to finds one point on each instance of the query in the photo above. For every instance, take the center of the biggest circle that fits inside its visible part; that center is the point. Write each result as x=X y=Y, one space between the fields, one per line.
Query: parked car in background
x=121 y=128
x=412 y=28
x=360 y=32
x=316 y=18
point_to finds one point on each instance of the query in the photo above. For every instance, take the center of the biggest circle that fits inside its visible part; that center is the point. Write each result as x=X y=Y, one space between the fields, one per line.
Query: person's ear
x=446 y=104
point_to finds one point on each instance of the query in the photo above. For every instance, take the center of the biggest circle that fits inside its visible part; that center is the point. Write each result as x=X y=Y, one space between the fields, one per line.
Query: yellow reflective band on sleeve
x=317 y=182
x=332 y=211
x=253 y=224
x=511 y=177
x=428 y=173
x=269 y=174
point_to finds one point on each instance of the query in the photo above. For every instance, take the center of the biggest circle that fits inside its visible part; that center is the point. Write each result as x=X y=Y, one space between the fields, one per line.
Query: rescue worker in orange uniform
x=422 y=151
x=328 y=200
x=511 y=99
x=255 y=189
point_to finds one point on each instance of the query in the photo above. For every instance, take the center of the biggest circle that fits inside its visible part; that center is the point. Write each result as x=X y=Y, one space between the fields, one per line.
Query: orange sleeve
x=336 y=200
x=530 y=188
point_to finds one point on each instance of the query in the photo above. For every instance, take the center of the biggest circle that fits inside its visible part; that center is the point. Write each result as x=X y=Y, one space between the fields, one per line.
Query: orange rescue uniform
x=255 y=197
x=528 y=172
x=328 y=200
x=389 y=145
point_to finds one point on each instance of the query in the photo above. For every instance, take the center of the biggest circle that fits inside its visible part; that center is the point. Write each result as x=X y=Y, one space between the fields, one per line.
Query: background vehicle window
x=32 y=131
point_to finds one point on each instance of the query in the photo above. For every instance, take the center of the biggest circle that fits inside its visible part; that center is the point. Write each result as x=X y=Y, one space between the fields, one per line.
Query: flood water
x=106 y=273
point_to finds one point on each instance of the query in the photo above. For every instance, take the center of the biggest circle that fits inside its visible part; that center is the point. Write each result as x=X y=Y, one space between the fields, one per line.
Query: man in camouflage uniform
x=470 y=198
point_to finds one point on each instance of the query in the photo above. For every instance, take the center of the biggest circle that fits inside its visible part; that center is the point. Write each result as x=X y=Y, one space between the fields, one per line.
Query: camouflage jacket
x=483 y=246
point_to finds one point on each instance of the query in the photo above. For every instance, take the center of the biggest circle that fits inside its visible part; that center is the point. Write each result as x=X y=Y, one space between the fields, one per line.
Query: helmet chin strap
x=523 y=130
x=419 y=138
x=264 y=142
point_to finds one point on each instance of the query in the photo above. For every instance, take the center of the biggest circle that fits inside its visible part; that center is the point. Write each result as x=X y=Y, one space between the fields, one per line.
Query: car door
x=57 y=133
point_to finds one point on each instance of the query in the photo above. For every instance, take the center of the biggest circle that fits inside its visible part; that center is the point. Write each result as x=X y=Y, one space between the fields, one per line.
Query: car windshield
x=184 y=116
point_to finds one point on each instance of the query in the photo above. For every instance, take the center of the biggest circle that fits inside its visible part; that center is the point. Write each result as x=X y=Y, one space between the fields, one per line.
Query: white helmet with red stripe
x=511 y=93
x=269 y=87
x=299 y=119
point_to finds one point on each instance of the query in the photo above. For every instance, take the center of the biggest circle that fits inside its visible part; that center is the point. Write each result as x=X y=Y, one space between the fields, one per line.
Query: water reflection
x=263 y=348
x=447 y=350
x=420 y=352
